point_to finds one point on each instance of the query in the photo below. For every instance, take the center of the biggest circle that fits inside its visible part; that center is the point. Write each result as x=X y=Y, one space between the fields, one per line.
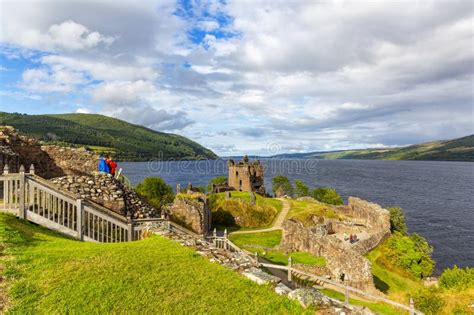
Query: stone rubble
x=260 y=277
x=107 y=191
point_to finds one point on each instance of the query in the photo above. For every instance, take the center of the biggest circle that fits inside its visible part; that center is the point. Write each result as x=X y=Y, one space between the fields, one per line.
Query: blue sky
x=244 y=77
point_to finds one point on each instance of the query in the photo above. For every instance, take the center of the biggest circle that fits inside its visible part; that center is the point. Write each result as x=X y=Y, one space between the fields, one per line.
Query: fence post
x=6 y=169
x=79 y=212
x=32 y=169
x=412 y=306
x=214 y=237
x=289 y=268
x=225 y=239
x=346 y=293
x=130 y=231
x=21 y=199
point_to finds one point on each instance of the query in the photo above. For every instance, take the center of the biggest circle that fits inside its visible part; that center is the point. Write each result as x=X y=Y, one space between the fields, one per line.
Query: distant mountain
x=105 y=134
x=461 y=149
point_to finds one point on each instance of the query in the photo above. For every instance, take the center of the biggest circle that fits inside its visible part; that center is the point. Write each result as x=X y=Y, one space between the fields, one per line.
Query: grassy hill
x=461 y=149
x=105 y=134
x=47 y=273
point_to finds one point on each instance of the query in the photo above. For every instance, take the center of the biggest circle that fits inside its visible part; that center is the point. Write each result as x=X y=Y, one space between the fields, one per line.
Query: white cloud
x=56 y=79
x=83 y=110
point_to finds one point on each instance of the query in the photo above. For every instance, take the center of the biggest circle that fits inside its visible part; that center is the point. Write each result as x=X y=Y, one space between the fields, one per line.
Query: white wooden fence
x=35 y=199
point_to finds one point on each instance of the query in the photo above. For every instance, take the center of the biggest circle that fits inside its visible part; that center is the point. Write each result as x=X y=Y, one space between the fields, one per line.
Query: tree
x=397 y=220
x=301 y=189
x=327 y=195
x=216 y=181
x=282 y=184
x=155 y=191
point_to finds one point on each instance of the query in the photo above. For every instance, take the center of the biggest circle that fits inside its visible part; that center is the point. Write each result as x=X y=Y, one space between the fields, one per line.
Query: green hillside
x=461 y=149
x=46 y=273
x=105 y=134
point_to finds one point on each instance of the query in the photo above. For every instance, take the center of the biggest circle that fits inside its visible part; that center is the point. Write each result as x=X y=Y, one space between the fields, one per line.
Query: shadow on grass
x=381 y=285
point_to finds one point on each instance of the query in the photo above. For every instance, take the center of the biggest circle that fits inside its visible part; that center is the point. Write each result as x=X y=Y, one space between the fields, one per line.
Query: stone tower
x=246 y=176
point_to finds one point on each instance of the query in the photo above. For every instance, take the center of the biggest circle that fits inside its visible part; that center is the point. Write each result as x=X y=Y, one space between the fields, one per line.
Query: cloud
x=307 y=75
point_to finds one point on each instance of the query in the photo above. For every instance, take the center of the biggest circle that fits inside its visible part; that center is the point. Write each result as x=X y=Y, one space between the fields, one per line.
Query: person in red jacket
x=112 y=165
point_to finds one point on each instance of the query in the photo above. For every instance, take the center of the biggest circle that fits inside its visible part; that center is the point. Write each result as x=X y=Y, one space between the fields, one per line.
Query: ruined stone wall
x=192 y=212
x=108 y=192
x=50 y=160
x=339 y=259
x=246 y=176
x=370 y=214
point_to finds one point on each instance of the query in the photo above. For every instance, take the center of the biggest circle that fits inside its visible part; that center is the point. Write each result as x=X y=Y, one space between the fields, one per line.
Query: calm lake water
x=438 y=197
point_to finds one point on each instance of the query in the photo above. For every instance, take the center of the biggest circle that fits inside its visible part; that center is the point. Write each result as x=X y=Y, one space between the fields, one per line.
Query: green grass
x=238 y=213
x=306 y=210
x=131 y=142
x=379 y=308
x=48 y=273
x=265 y=244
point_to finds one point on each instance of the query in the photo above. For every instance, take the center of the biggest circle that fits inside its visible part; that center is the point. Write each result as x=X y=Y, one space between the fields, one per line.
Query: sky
x=248 y=77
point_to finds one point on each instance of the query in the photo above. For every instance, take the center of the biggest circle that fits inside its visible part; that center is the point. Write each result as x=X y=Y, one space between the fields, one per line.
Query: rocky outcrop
x=105 y=190
x=192 y=211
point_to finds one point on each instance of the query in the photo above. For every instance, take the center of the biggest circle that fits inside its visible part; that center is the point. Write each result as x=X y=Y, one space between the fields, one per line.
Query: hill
x=46 y=273
x=105 y=134
x=461 y=149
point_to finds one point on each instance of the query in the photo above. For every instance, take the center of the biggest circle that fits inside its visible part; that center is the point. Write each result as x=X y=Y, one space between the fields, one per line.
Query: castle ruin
x=246 y=176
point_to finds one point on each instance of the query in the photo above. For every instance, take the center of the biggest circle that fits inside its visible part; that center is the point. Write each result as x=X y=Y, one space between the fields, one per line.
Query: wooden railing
x=35 y=199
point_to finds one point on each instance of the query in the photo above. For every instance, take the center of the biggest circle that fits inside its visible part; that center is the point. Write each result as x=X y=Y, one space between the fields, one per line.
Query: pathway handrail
x=337 y=284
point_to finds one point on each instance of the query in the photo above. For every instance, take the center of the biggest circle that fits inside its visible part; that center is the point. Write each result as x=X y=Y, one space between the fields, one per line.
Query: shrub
x=327 y=195
x=457 y=278
x=217 y=181
x=397 y=220
x=282 y=183
x=301 y=189
x=429 y=301
x=412 y=253
x=155 y=191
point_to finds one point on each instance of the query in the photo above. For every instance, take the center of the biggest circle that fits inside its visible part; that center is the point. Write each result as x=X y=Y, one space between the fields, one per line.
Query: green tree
x=301 y=189
x=397 y=220
x=429 y=301
x=283 y=184
x=412 y=253
x=457 y=278
x=155 y=191
x=327 y=195
x=216 y=181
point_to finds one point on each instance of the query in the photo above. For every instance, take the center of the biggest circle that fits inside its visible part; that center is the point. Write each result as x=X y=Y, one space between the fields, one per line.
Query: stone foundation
x=192 y=212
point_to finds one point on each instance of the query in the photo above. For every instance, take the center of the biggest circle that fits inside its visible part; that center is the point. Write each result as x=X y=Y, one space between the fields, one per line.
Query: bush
x=412 y=253
x=327 y=195
x=155 y=191
x=282 y=183
x=457 y=278
x=217 y=181
x=429 y=301
x=301 y=189
x=397 y=221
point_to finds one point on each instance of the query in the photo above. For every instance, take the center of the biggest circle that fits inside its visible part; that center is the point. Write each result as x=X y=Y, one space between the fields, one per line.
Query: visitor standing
x=103 y=166
x=112 y=165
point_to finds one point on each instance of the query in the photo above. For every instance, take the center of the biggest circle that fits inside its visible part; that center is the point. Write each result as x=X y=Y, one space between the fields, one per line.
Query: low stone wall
x=109 y=192
x=340 y=261
x=72 y=161
x=370 y=214
x=192 y=212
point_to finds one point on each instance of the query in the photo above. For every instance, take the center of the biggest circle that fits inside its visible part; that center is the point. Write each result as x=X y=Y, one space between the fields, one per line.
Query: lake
x=438 y=197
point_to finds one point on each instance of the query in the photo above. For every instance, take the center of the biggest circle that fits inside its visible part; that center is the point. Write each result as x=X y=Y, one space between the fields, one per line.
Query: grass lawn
x=48 y=273
x=264 y=244
x=379 y=308
x=305 y=210
x=237 y=213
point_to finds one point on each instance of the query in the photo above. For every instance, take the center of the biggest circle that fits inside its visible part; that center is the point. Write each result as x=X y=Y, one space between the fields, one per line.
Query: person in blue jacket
x=103 y=167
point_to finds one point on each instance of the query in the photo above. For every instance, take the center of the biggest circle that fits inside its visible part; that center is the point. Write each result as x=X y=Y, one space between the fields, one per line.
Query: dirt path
x=278 y=222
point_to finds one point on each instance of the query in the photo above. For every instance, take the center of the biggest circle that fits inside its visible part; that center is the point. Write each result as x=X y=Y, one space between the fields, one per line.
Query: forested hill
x=105 y=134
x=461 y=149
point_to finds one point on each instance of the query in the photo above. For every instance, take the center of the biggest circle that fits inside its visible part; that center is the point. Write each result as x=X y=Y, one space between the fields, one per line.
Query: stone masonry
x=246 y=176
x=108 y=192
x=191 y=211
